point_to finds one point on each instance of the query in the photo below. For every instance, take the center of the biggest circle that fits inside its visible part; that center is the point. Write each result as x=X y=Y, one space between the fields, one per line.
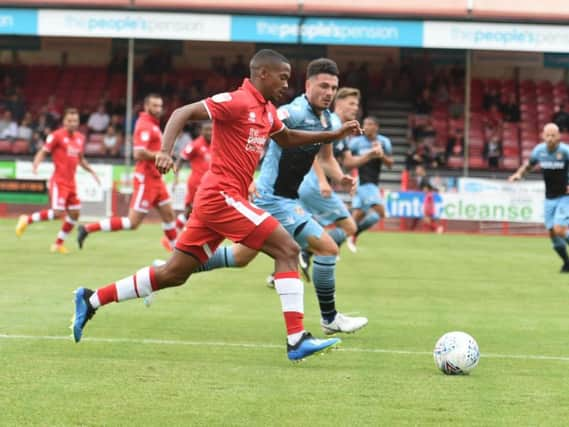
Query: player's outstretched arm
x=520 y=173
x=293 y=138
x=175 y=124
x=85 y=165
x=38 y=158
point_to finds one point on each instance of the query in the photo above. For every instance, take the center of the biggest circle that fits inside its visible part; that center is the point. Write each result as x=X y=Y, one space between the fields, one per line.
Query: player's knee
x=290 y=250
x=350 y=227
x=243 y=258
x=559 y=231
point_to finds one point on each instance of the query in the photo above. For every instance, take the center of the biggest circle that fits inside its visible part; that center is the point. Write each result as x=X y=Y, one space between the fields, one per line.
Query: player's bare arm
x=332 y=168
x=143 y=154
x=293 y=138
x=325 y=188
x=174 y=126
x=520 y=173
x=86 y=166
x=39 y=157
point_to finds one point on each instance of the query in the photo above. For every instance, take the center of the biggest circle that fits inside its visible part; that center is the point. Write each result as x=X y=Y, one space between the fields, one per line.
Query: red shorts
x=217 y=216
x=63 y=197
x=148 y=194
x=191 y=188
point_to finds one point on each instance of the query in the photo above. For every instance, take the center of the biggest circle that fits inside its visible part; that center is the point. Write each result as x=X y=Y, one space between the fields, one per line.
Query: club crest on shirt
x=252 y=117
x=559 y=156
x=283 y=114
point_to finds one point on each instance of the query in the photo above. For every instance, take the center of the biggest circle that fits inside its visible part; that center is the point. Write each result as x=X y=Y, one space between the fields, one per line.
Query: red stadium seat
x=511 y=163
x=20 y=147
x=5 y=146
x=455 y=162
x=94 y=148
x=477 y=163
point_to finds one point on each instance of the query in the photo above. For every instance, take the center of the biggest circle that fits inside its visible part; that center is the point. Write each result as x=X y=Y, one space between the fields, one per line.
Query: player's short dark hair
x=345 y=92
x=150 y=96
x=373 y=119
x=266 y=57
x=71 y=110
x=322 y=66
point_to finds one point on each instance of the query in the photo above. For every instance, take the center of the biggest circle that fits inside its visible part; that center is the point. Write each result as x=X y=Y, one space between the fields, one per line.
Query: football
x=456 y=353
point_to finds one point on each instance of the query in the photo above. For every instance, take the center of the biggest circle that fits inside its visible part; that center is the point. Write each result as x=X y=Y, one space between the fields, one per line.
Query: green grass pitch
x=212 y=352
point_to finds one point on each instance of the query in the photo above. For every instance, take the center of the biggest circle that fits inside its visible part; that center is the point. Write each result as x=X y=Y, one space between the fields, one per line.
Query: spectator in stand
x=494 y=117
x=8 y=127
x=25 y=130
x=44 y=125
x=491 y=97
x=456 y=106
x=36 y=142
x=117 y=121
x=561 y=118
x=239 y=69
x=455 y=143
x=112 y=142
x=424 y=104
x=54 y=110
x=493 y=152
x=425 y=131
x=511 y=110
x=422 y=155
x=16 y=105
x=99 y=120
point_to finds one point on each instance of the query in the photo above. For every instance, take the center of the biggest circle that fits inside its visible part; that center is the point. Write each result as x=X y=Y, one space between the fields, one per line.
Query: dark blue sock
x=369 y=221
x=560 y=247
x=221 y=258
x=338 y=234
x=323 y=269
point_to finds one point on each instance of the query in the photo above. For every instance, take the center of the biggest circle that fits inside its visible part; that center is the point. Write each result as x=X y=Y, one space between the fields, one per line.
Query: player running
x=553 y=159
x=197 y=154
x=282 y=171
x=149 y=189
x=367 y=204
x=66 y=148
x=243 y=121
x=316 y=193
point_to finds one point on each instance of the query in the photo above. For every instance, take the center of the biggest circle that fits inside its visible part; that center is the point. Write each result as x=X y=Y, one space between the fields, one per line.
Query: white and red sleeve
x=51 y=142
x=141 y=138
x=223 y=106
x=278 y=125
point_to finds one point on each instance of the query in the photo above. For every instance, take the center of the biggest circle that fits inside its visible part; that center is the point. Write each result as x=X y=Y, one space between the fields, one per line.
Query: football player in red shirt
x=66 y=148
x=149 y=189
x=197 y=153
x=243 y=121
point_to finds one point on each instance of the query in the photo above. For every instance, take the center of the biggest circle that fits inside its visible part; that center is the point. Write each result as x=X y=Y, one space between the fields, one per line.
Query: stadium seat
x=20 y=147
x=455 y=162
x=477 y=163
x=94 y=148
x=5 y=146
x=511 y=163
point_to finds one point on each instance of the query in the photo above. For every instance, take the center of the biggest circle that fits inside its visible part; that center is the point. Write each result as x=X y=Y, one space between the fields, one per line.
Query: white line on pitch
x=262 y=346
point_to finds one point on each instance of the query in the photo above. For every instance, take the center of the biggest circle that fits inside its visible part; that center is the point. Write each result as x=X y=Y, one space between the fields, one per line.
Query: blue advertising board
x=19 y=22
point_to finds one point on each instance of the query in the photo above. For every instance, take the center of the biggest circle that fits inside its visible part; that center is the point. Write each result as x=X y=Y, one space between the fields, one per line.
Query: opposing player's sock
x=66 y=228
x=221 y=258
x=324 y=281
x=560 y=247
x=114 y=223
x=181 y=221
x=45 y=215
x=139 y=285
x=369 y=221
x=170 y=232
x=338 y=234
x=291 y=292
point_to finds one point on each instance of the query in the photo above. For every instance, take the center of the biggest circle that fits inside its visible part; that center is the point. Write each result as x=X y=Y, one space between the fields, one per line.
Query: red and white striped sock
x=181 y=221
x=45 y=215
x=291 y=292
x=68 y=224
x=138 y=285
x=114 y=223
x=170 y=232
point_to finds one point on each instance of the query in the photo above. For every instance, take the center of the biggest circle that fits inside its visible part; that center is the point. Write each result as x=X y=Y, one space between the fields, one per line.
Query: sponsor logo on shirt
x=552 y=165
x=255 y=142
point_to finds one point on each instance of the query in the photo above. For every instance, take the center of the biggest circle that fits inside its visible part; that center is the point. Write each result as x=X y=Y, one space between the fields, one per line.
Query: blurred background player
x=367 y=204
x=316 y=193
x=553 y=159
x=149 y=189
x=66 y=148
x=243 y=121
x=282 y=172
x=197 y=154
